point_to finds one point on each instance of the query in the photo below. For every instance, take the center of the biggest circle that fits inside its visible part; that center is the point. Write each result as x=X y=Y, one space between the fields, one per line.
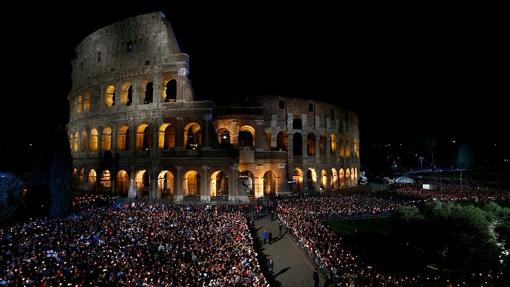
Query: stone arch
x=105 y=180
x=218 y=185
x=76 y=142
x=148 y=93
x=94 y=140
x=353 y=175
x=348 y=176
x=191 y=183
x=341 y=176
x=166 y=139
x=334 y=178
x=126 y=94
x=297 y=178
x=297 y=144
x=84 y=142
x=123 y=138
x=269 y=183
x=143 y=137
x=310 y=144
x=311 y=179
x=324 y=180
x=247 y=179
x=246 y=136
x=79 y=103
x=332 y=143
x=81 y=177
x=122 y=183
x=169 y=91
x=224 y=138
x=282 y=141
x=166 y=184
x=192 y=135
x=109 y=96
x=86 y=102
x=106 y=142
x=142 y=182
x=92 y=178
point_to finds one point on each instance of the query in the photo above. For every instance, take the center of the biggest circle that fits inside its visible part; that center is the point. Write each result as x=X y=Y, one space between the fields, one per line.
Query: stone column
x=178 y=183
x=206 y=135
x=233 y=182
x=114 y=138
x=155 y=141
x=156 y=86
x=205 y=193
x=118 y=90
x=259 y=134
x=132 y=189
x=132 y=136
x=179 y=133
x=135 y=86
x=317 y=148
x=154 y=182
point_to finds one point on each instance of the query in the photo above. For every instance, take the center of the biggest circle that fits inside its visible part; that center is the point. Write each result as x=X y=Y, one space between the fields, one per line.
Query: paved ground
x=292 y=266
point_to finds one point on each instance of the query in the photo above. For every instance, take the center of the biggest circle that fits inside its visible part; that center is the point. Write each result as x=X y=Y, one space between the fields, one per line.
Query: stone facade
x=136 y=130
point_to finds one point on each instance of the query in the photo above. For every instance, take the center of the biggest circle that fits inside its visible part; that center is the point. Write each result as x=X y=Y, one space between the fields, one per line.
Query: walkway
x=291 y=265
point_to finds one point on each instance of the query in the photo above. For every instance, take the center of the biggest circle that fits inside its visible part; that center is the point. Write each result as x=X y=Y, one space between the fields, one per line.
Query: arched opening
x=76 y=142
x=348 y=176
x=149 y=91
x=224 y=137
x=341 y=176
x=170 y=91
x=106 y=143
x=269 y=183
x=347 y=150
x=86 y=102
x=353 y=175
x=310 y=144
x=79 y=104
x=311 y=179
x=94 y=140
x=109 y=96
x=126 y=94
x=219 y=184
x=166 y=184
x=332 y=143
x=142 y=182
x=247 y=180
x=81 y=178
x=324 y=180
x=143 y=137
x=192 y=135
x=297 y=144
x=83 y=144
x=297 y=124
x=122 y=183
x=92 y=178
x=106 y=181
x=166 y=136
x=297 y=178
x=334 y=179
x=191 y=184
x=123 y=138
x=281 y=141
x=246 y=136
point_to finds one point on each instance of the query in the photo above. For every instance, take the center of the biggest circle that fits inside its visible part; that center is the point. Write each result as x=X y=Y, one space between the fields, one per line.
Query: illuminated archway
x=353 y=175
x=126 y=94
x=224 y=137
x=191 y=183
x=192 y=135
x=81 y=177
x=218 y=185
x=322 y=144
x=348 y=176
x=86 y=102
x=341 y=175
x=123 y=138
x=324 y=180
x=169 y=91
x=83 y=144
x=76 y=142
x=297 y=178
x=79 y=104
x=149 y=92
x=348 y=150
x=142 y=182
x=106 y=181
x=281 y=141
x=106 y=142
x=109 y=96
x=166 y=184
x=94 y=140
x=310 y=144
x=143 y=137
x=248 y=182
x=269 y=183
x=246 y=136
x=334 y=179
x=311 y=179
x=332 y=143
x=297 y=144
x=92 y=178
x=166 y=139
x=122 y=183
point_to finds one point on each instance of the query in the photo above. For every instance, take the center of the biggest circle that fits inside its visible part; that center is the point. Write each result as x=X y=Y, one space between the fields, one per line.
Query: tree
x=10 y=196
x=60 y=175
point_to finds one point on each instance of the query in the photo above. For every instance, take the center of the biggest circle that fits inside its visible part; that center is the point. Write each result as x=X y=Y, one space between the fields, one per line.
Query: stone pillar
x=154 y=182
x=206 y=135
x=259 y=134
x=205 y=193
x=179 y=133
x=135 y=86
x=132 y=136
x=114 y=138
x=178 y=183
x=118 y=90
x=132 y=189
x=233 y=182
x=290 y=145
x=155 y=141
x=317 y=148
x=156 y=86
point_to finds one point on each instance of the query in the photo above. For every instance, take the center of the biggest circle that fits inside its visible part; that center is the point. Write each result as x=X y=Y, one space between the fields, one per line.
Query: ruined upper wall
x=137 y=42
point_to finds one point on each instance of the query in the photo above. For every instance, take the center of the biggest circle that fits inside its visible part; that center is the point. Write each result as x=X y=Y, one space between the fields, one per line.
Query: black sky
x=407 y=71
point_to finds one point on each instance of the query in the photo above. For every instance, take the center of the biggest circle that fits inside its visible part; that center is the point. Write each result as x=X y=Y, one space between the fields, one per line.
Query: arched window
x=170 y=91
x=324 y=180
x=310 y=144
x=79 y=104
x=248 y=182
x=166 y=184
x=123 y=139
x=297 y=179
x=106 y=181
x=269 y=183
x=192 y=135
x=126 y=94
x=311 y=179
x=86 y=102
x=246 y=136
x=92 y=178
x=83 y=140
x=76 y=142
x=166 y=139
x=109 y=97
x=94 y=140
x=281 y=141
x=142 y=182
x=297 y=144
x=219 y=184
x=143 y=137
x=122 y=183
x=191 y=183
x=106 y=142
x=297 y=124
x=149 y=91
x=224 y=137
x=332 y=143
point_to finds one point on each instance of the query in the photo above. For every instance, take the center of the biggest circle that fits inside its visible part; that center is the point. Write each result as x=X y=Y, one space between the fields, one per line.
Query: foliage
x=60 y=175
x=10 y=196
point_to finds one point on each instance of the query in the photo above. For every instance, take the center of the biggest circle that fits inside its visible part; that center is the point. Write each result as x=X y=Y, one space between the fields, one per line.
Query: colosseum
x=136 y=130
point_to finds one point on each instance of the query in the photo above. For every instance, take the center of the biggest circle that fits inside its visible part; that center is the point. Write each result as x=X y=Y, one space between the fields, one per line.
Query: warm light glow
x=123 y=138
x=332 y=143
x=166 y=138
x=106 y=142
x=92 y=177
x=109 y=97
x=94 y=140
x=166 y=183
x=191 y=183
x=126 y=94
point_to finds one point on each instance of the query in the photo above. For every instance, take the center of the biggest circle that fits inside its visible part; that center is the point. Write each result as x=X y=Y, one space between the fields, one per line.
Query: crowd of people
x=132 y=244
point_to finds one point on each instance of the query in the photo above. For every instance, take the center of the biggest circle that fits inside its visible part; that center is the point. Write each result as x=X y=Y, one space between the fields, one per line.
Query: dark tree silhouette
x=60 y=175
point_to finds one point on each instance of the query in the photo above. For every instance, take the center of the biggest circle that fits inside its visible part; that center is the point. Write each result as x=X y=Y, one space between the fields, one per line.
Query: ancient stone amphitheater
x=136 y=130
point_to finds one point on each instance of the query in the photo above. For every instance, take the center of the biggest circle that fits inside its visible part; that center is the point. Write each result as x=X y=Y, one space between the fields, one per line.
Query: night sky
x=406 y=71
